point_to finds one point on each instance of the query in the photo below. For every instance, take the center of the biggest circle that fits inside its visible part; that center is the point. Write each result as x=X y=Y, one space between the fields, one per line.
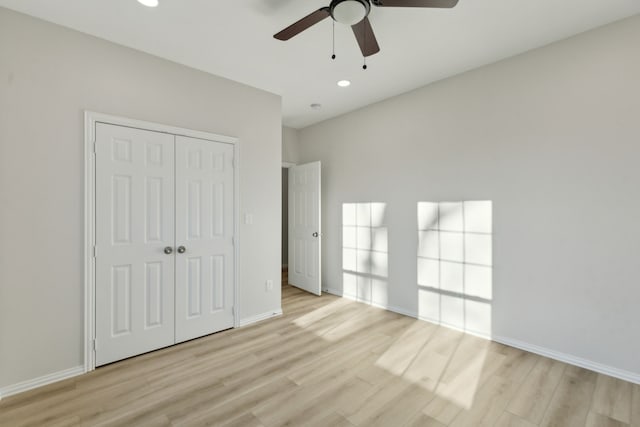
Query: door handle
x=168 y=250
x=315 y=234
x=181 y=249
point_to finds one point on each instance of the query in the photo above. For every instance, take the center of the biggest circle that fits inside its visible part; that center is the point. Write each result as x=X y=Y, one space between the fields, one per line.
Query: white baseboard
x=542 y=351
x=570 y=359
x=264 y=316
x=41 y=381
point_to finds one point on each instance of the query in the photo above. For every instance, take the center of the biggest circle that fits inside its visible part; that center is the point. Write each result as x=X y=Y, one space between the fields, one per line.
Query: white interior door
x=304 y=227
x=204 y=237
x=134 y=227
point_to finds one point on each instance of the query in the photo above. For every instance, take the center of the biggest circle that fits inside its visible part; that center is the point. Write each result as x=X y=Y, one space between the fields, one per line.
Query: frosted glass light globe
x=349 y=12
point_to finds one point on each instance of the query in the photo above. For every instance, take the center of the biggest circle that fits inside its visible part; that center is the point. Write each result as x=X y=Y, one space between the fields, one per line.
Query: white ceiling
x=233 y=39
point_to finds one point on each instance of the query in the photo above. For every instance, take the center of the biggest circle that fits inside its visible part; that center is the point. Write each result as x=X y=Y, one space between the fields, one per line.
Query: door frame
x=90 y=120
x=286 y=165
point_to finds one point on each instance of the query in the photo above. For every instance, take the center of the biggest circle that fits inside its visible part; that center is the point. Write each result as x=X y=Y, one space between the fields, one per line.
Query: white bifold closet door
x=164 y=248
x=134 y=224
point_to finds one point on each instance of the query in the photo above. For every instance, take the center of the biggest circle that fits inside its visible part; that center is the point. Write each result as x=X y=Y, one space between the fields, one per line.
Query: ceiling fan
x=355 y=14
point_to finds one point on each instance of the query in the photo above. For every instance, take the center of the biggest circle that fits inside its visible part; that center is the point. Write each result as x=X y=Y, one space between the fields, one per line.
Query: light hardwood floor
x=332 y=362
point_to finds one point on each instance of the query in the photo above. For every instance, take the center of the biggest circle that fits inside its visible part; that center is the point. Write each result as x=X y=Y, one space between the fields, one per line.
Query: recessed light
x=344 y=83
x=316 y=106
x=149 y=3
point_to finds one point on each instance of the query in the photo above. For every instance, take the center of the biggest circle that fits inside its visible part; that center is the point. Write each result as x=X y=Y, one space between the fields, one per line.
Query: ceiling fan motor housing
x=349 y=12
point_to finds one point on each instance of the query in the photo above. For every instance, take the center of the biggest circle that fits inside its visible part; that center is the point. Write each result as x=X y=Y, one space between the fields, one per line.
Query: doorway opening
x=285 y=226
x=304 y=232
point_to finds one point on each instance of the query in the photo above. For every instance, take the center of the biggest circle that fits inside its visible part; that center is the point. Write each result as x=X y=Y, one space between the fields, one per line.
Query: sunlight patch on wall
x=455 y=264
x=365 y=260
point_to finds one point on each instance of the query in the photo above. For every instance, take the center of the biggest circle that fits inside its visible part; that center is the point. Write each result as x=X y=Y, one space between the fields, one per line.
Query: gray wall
x=552 y=138
x=290 y=150
x=48 y=76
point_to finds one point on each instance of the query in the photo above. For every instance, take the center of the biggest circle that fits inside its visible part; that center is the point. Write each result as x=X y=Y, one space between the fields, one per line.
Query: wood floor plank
x=508 y=419
x=571 y=401
x=313 y=411
x=612 y=398
x=442 y=410
x=405 y=348
x=598 y=420
x=470 y=366
x=72 y=421
x=283 y=407
x=232 y=405
x=245 y=420
x=532 y=398
x=374 y=410
x=488 y=404
x=333 y=420
x=347 y=357
x=402 y=408
x=635 y=406
x=517 y=365
x=422 y=420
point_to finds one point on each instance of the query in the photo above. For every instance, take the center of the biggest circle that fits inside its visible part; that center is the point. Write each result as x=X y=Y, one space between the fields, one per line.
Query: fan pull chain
x=364 y=58
x=364 y=37
x=333 y=56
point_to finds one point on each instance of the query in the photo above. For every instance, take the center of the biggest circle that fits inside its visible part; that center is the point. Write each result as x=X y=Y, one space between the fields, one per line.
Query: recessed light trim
x=149 y=3
x=344 y=83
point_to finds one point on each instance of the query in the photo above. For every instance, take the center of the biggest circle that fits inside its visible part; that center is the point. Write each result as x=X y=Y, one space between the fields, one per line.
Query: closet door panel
x=204 y=228
x=134 y=224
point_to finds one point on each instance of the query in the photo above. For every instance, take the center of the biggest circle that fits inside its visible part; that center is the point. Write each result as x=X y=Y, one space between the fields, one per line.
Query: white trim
x=260 y=317
x=287 y=165
x=236 y=232
x=542 y=351
x=90 y=120
x=571 y=360
x=40 y=381
x=157 y=127
x=89 y=240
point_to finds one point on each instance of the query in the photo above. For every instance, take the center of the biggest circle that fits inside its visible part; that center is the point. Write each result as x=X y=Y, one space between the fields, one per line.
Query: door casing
x=90 y=120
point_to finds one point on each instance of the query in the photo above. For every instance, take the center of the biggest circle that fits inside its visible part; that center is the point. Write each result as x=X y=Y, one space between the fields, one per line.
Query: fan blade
x=303 y=24
x=366 y=39
x=415 y=3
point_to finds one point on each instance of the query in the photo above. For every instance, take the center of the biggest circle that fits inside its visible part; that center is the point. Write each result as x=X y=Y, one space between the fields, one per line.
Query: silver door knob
x=315 y=234
x=168 y=250
x=181 y=249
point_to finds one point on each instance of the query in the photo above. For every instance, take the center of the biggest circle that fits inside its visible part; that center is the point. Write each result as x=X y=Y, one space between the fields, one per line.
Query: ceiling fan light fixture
x=149 y=3
x=349 y=12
